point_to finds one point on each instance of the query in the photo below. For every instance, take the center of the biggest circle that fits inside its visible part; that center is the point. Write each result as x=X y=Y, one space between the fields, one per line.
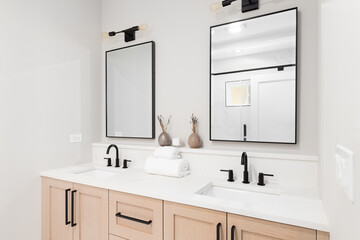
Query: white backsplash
x=294 y=171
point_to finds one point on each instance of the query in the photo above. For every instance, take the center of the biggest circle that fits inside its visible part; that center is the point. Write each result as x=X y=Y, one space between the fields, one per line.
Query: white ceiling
x=265 y=34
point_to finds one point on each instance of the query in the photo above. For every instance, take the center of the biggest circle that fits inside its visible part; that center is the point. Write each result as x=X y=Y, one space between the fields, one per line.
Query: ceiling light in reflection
x=236 y=27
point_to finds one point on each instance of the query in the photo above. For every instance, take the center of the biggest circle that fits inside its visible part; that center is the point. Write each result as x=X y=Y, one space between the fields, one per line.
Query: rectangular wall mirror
x=253 y=79
x=130 y=91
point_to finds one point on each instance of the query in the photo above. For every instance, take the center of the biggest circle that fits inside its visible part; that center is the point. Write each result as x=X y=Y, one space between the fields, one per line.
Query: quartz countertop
x=295 y=207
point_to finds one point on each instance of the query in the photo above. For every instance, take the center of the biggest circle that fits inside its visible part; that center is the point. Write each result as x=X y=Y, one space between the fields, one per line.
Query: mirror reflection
x=267 y=41
x=130 y=79
x=253 y=79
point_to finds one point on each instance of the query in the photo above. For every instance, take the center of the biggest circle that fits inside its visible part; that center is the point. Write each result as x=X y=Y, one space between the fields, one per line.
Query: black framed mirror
x=130 y=91
x=253 y=79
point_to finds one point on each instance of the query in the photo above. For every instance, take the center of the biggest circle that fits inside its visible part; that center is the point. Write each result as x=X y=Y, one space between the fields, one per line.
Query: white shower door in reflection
x=273 y=112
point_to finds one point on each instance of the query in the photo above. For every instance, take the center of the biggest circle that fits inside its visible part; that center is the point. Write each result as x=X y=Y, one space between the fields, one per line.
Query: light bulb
x=236 y=28
x=143 y=26
x=215 y=6
x=105 y=35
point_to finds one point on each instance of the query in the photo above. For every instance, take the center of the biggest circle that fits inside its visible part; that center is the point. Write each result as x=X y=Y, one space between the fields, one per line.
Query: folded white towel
x=167 y=152
x=166 y=167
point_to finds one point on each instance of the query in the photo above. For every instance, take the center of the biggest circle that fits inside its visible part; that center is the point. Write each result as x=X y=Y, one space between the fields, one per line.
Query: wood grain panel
x=323 y=235
x=112 y=237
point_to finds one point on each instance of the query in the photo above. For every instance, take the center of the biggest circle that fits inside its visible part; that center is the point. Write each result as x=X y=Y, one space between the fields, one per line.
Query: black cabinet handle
x=233 y=233
x=73 y=224
x=218 y=226
x=67 y=222
x=133 y=219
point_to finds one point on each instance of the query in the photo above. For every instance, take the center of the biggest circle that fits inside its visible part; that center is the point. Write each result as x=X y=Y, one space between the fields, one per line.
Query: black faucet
x=244 y=161
x=117 y=161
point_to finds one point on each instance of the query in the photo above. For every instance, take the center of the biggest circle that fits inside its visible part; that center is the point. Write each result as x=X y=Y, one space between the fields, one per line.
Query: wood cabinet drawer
x=135 y=217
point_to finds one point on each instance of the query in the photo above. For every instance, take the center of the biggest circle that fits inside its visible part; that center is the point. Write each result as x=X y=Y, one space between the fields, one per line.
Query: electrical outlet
x=344 y=170
x=75 y=138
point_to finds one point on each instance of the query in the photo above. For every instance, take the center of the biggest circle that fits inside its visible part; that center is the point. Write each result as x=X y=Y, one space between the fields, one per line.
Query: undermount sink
x=97 y=173
x=226 y=192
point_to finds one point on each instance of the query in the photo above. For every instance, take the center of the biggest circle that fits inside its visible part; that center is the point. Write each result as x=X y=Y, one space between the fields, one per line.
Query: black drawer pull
x=67 y=222
x=218 y=226
x=73 y=224
x=233 y=233
x=133 y=219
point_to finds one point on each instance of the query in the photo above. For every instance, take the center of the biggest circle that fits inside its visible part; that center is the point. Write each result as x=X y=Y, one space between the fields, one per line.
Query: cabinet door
x=245 y=228
x=135 y=217
x=91 y=213
x=56 y=210
x=185 y=222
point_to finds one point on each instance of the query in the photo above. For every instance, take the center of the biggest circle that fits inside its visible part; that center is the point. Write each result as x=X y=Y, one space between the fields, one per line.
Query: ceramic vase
x=194 y=140
x=164 y=139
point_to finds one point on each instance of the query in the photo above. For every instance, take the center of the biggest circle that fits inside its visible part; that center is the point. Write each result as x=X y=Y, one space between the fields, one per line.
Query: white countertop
x=296 y=208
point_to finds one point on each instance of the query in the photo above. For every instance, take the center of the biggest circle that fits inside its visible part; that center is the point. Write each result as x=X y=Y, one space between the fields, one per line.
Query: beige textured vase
x=164 y=139
x=194 y=140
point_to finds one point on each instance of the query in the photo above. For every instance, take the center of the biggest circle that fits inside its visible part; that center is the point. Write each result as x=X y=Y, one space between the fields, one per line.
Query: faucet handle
x=125 y=162
x=109 y=162
x=261 y=181
x=231 y=175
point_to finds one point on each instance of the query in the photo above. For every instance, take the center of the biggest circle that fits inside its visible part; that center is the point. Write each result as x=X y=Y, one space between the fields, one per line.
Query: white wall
x=181 y=32
x=49 y=88
x=340 y=113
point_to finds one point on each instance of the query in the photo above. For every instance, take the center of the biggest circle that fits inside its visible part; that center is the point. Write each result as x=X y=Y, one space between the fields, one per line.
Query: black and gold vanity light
x=129 y=33
x=247 y=5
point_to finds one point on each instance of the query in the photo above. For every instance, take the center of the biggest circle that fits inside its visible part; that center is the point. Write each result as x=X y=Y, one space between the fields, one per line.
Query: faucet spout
x=244 y=161
x=117 y=163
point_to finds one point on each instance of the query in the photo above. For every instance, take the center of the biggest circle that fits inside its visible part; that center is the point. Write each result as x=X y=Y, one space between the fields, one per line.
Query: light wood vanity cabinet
x=73 y=211
x=100 y=214
x=184 y=222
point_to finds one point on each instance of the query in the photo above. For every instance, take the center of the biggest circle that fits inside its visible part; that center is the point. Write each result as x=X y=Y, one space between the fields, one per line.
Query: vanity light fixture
x=250 y=5
x=247 y=5
x=129 y=33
